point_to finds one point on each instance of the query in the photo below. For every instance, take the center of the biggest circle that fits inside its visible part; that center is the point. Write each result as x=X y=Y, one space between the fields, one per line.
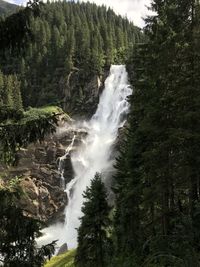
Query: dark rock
x=68 y=169
x=44 y=197
x=81 y=95
x=63 y=249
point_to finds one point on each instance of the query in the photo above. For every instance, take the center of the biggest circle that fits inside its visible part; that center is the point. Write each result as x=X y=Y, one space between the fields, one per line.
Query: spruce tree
x=8 y=89
x=18 y=232
x=94 y=244
x=157 y=188
x=1 y=88
x=17 y=99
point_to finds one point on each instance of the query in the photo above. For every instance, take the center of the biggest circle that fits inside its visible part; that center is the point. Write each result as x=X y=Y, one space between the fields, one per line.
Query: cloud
x=135 y=10
x=17 y=2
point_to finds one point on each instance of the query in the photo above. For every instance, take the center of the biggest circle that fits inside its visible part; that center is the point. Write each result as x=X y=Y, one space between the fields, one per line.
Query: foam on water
x=94 y=154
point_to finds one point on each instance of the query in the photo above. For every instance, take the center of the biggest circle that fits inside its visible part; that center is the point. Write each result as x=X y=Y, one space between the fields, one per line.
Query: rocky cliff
x=81 y=94
x=39 y=165
x=38 y=168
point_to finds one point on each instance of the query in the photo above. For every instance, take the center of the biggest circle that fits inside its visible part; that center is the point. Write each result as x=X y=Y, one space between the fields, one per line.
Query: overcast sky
x=135 y=10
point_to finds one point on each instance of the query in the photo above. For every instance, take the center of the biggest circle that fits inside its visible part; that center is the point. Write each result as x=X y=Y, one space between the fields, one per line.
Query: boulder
x=62 y=249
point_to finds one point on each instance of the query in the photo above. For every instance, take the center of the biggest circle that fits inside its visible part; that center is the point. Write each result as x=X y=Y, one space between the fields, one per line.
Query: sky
x=135 y=10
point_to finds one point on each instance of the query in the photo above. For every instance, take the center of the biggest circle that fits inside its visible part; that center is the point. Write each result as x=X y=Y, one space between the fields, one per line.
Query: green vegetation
x=7 y=8
x=18 y=231
x=18 y=129
x=15 y=32
x=62 y=39
x=63 y=260
x=94 y=243
x=157 y=184
x=157 y=181
x=10 y=92
x=38 y=113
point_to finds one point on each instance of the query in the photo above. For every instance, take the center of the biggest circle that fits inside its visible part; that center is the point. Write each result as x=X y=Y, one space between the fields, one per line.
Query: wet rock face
x=38 y=165
x=41 y=200
x=44 y=197
x=80 y=93
x=67 y=168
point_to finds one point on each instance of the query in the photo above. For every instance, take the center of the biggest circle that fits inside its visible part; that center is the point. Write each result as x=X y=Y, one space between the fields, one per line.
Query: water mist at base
x=94 y=154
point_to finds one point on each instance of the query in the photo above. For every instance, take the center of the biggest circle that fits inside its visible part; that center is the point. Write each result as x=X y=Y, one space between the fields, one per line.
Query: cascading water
x=94 y=154
x=61 y=160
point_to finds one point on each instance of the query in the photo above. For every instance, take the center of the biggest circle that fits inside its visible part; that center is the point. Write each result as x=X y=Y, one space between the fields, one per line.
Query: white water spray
x=61 y=160
x=94 y=154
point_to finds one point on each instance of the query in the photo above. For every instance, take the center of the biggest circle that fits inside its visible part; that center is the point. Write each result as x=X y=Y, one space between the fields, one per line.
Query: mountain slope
x=73 y=46
x=7 y=8
x=66 y=259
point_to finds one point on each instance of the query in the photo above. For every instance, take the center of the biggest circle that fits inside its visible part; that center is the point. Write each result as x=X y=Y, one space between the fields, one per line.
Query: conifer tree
x=67 y=35
x=157 y=187
x=16 y=94
x=1 y=88
x=94 y=244
x=8 y=89
x=18 y=232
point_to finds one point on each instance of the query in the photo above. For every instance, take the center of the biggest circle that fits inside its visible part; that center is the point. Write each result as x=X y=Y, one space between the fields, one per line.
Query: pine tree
x=64 y=36
x=1 y=88
x=94 y=244
x=18 y=232
x=16 y=94
x=8 y=89
x=157 y=182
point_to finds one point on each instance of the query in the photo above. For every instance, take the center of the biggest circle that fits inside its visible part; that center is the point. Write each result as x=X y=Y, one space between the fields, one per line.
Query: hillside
x=63 y=260
x=72 y=47
x=7 y=8
x=147 y=118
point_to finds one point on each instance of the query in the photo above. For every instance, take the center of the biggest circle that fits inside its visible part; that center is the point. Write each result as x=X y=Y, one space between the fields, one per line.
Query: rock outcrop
x=38 y=167
x=63 y=249
x=81 y=94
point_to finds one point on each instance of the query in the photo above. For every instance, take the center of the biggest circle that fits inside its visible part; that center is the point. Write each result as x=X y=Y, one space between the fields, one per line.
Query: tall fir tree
x=157 y=192
x=17 y=99
x=94 y=243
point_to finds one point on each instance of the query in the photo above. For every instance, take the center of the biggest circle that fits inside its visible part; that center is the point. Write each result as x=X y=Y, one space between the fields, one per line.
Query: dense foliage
x=63 y=260
x=15 y=31
x=18 y=232
x=66 y=37
x=157 y=184
x=94 y=244
x=10 y=92
x=7 y=8
x=18 y=128
x=22 y=128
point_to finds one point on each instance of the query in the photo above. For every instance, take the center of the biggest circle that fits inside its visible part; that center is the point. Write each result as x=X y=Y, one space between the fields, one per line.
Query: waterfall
x=94 y=154
x=61 y=160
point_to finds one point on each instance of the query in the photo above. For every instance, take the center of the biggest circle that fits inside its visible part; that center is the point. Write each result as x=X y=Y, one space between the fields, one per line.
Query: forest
x=155 y=218
x=65 y=37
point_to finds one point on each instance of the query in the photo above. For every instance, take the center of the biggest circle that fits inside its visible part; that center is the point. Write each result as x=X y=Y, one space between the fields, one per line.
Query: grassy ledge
x=63 y=260
x=35 y=113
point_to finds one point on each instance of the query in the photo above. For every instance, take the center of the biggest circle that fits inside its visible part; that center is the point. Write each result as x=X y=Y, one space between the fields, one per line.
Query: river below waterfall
x=94 y=154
